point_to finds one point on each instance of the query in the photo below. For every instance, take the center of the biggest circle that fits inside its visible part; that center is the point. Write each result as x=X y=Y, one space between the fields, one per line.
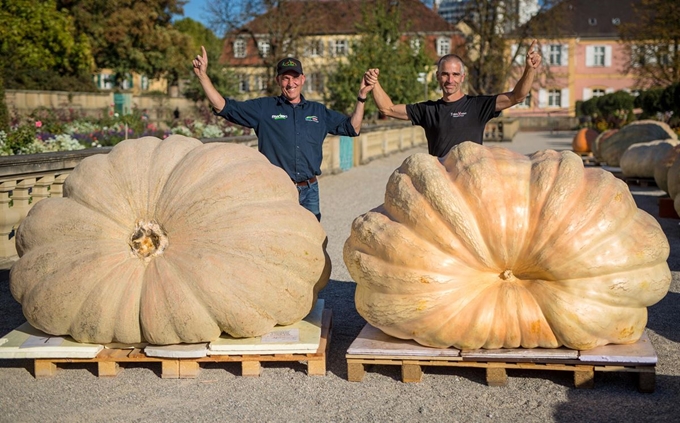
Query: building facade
x=323 y=39
x=591 y=61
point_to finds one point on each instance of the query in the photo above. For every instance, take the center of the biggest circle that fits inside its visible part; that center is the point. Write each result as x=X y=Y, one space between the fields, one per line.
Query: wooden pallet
x=109 y=361
x=667 y=208
x=639 y=182
x=373 y=347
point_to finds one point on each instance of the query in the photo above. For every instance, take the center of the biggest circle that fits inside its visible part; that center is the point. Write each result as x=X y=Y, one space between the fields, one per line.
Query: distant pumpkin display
x=171 y=241
x=488 y=248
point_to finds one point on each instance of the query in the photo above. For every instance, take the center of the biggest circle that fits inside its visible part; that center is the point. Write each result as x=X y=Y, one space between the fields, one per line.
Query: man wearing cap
x=290 y=130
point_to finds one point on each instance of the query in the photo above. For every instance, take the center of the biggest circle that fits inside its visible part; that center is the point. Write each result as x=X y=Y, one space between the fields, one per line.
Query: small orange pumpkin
x=583 y=140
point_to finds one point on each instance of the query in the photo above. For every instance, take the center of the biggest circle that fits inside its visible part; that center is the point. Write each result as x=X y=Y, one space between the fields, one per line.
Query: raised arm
x=521 y=90
x=358 y=114
x=382 y=100
x=201 y=70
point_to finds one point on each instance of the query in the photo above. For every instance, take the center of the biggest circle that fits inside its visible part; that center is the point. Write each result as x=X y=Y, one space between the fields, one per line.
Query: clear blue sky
x=195 y=9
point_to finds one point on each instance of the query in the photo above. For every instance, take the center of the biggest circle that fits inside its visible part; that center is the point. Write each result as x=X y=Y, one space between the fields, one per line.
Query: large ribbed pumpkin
x=171 y=241
x=487 y=248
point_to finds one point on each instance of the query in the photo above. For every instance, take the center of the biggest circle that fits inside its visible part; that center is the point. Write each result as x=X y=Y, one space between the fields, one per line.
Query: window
x=555 y=55
x=554 y=98
x=240 y=48
x=598 y=92
x=263 y=47
x=105 y=81
x=314 y=48
x=443 y=46
x=144 y=82
x=314 y=82
x=338 y=47
x=599 y=56
x=416 y=43
x=261 y=82
x=526 y=102
x=243 y=85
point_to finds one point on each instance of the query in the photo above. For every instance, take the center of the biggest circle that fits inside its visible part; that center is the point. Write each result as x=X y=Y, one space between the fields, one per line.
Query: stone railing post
x=22 y=197
x=9 y=219
x=42 y=188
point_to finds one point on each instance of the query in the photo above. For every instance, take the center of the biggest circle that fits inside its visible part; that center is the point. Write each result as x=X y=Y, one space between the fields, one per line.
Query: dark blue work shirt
x=290 y=136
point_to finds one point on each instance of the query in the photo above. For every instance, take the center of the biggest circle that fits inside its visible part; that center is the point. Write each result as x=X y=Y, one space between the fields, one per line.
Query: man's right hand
x=371 y=76
x=201 y=64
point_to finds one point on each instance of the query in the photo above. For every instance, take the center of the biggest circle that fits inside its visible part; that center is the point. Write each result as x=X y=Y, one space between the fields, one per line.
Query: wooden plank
x=647 y=382
x=44 y=368
x=250 y=368
x=108 y=369
x=584 y=377
x=411 y=372
x=181 y=362
x=355 y=371
x=188 y=369
x=496 y=376
x=639 y=357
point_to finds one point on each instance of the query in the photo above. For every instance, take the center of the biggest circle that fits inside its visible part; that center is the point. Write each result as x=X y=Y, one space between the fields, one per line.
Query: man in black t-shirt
x=456 y=117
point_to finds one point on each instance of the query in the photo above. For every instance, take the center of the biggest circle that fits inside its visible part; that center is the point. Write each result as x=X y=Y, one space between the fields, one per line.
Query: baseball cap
x=288 y=64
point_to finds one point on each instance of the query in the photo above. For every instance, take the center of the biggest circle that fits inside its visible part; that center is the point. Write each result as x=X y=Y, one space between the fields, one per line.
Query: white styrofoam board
x=373 y=341
x=302 y=337
x=28 y=342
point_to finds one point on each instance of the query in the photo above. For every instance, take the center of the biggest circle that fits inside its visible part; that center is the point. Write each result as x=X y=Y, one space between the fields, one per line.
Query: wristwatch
x=361 y=100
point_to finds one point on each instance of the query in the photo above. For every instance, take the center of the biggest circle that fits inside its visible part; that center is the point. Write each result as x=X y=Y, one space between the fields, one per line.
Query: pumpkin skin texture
x=633 y=133
x=487 y=248
x=179 y=242
x=601 y=140
x=640 y=159
x=663 y=166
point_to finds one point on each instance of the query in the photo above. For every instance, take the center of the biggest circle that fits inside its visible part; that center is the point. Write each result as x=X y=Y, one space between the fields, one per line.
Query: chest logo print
x=458 y=114
x=279 y=117
x=312 y=119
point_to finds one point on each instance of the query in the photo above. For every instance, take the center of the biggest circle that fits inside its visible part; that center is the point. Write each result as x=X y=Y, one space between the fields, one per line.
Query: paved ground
x=285 y=393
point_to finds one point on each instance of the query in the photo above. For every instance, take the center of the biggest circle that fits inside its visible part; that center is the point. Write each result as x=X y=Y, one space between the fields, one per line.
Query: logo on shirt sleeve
x=279 y=117
x=312 y=119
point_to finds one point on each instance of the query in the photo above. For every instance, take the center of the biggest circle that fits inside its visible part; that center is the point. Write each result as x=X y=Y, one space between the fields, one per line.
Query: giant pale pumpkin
x=487 y=248
x=169 y=242
x=640 y=159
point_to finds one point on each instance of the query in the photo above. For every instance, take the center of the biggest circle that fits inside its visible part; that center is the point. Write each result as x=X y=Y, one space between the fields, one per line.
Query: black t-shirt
x=449 y=124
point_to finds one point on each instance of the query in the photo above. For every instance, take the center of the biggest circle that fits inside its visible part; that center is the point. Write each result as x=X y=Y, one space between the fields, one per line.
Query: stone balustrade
x=27 y=179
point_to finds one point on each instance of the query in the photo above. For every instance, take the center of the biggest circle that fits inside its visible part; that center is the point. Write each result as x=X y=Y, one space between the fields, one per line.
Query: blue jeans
x=309 y=198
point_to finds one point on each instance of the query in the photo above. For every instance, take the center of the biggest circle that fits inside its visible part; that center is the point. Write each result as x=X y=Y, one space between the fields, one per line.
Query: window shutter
x=608 y=56
x=542 y=98
x=331 y=50
x=565 y=97
x=587 y=94
x=590 y=56
x=609 y=90
x=565 y=55
x=545 y=52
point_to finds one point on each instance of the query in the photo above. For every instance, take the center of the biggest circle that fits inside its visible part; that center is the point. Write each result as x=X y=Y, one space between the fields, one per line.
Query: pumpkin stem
x=507 y=275
x=148 y=240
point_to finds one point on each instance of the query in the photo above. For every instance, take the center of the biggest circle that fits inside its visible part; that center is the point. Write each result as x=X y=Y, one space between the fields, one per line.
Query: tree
x=133 y=36
x=653 y=42
x=496 y=25
x=380 y=45
x=267 y=24
x=224 y=81
x=37 y=40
